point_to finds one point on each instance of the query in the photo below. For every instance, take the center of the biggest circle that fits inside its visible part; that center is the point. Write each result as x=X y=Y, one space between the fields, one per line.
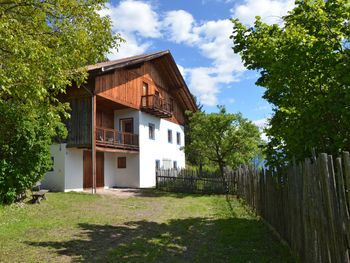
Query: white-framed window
x=178 y=138
x=151 y=131
x=170 y=136
x=157 y=164
x=167 y=164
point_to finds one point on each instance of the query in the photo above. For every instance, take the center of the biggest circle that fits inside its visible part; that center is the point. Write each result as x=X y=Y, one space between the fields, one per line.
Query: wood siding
x=79 y=124
x=104 y=119
x=124 y=86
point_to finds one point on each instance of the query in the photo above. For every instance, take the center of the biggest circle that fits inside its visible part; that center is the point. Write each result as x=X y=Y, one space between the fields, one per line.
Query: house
x=125 y=121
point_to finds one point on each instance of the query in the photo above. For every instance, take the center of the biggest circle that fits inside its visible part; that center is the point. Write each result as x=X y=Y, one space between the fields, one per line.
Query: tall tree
x=224 y=139
x=44 y=47
x=304 y=66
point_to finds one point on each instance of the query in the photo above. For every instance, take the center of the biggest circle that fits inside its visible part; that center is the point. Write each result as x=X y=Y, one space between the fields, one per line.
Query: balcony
x=157 y=106
x=111 y=138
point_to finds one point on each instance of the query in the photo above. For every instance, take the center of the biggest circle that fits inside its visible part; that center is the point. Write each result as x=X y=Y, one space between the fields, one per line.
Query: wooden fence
x=307 y=203
x=193 y=181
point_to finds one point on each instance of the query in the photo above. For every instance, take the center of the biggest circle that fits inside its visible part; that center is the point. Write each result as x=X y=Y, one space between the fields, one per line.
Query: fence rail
x=193 y=181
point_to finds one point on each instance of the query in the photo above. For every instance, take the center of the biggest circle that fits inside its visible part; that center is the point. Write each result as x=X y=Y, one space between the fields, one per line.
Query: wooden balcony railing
x=116 y=139
x=157 y=106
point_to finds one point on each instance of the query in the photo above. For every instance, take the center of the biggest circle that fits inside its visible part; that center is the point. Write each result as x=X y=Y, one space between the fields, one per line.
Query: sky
x=197 y=34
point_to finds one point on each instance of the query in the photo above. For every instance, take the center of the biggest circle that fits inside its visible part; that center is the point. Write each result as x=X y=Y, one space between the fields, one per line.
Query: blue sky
x=197 y=34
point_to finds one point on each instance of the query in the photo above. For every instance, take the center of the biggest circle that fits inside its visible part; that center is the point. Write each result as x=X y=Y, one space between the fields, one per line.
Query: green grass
x=156 y=227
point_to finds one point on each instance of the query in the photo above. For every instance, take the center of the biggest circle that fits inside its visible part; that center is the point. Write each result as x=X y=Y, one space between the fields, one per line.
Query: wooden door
x=127 y=125
x=87 y=169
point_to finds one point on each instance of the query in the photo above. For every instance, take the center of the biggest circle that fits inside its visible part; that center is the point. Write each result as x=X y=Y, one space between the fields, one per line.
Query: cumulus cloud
x=136 y=21
x=179 y=25
x=262 y=124
x=214 y=44
x=270 y=11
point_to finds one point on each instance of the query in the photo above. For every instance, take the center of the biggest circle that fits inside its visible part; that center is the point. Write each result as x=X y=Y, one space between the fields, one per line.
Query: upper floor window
x=170 y=136
x=175 y=164
x=151 y=131
x=178 y=138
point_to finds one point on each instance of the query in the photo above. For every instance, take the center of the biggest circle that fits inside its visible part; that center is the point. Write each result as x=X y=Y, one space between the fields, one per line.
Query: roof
x=168 y=61
x=120 y=63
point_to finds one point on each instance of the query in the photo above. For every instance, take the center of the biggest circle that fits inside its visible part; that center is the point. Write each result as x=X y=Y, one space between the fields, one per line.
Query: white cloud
x=179 y=24
x=204 y=85
x=270 y=11
x=135 y=21
x=130 y=48
x=214 y=44
x=182 y=70
x=262 y=124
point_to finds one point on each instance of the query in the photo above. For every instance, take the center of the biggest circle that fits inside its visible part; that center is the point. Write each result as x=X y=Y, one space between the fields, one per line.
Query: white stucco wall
x=67 y=174
x=74 y=169
x=159 y=148
x=54 y=180
x=121 y=177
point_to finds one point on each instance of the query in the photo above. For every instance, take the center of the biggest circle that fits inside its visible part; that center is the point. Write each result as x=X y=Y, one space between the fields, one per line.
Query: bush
x=25 y=139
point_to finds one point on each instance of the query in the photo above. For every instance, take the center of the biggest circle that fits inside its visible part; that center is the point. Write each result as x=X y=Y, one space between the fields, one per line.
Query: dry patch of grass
x=155 y=227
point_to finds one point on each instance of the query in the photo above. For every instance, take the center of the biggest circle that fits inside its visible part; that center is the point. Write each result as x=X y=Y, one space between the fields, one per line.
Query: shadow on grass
x=152 y=192
x=181 y=240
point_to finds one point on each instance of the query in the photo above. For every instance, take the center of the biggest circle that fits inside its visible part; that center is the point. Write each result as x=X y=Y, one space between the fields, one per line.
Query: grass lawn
x=156 y=227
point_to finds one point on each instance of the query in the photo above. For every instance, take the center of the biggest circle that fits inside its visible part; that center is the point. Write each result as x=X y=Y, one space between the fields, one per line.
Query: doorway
x=127 y=128
x=87 y=169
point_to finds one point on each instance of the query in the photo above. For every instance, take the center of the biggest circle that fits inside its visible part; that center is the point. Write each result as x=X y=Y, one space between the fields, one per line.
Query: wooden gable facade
x=151 y=83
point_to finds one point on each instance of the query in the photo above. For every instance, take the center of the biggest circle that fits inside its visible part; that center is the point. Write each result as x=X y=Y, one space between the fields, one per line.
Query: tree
x=223 y=138
x=25 y=141
x=44 y=47
x=304 y=66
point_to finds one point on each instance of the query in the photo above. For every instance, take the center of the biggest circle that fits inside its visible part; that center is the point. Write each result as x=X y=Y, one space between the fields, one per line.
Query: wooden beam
x=93 y=136
x=103 y=149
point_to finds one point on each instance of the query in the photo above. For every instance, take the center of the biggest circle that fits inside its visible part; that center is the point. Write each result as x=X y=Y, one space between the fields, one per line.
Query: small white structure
x=138 y=106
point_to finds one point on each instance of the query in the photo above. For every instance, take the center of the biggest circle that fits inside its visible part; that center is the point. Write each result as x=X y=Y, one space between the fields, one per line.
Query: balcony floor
x=115 y=147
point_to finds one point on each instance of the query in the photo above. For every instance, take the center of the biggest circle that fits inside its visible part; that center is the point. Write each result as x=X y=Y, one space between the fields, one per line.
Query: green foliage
x=25 y=140
x=304 y=66
x=44 y=47
x=222 y=138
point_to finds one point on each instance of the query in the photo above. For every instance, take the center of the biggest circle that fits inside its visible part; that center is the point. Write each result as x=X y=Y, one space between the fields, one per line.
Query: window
x=178 y=138
x=151 y=131
x=121 y=162
x=53 y=162
x=175 y=164
x=166 y=164
x=144 y=99
x=157 y=164
x=170 y=136
x=145 y=89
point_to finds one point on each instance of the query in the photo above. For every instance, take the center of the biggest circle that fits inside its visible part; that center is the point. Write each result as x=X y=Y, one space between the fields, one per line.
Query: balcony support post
x=93 y=143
